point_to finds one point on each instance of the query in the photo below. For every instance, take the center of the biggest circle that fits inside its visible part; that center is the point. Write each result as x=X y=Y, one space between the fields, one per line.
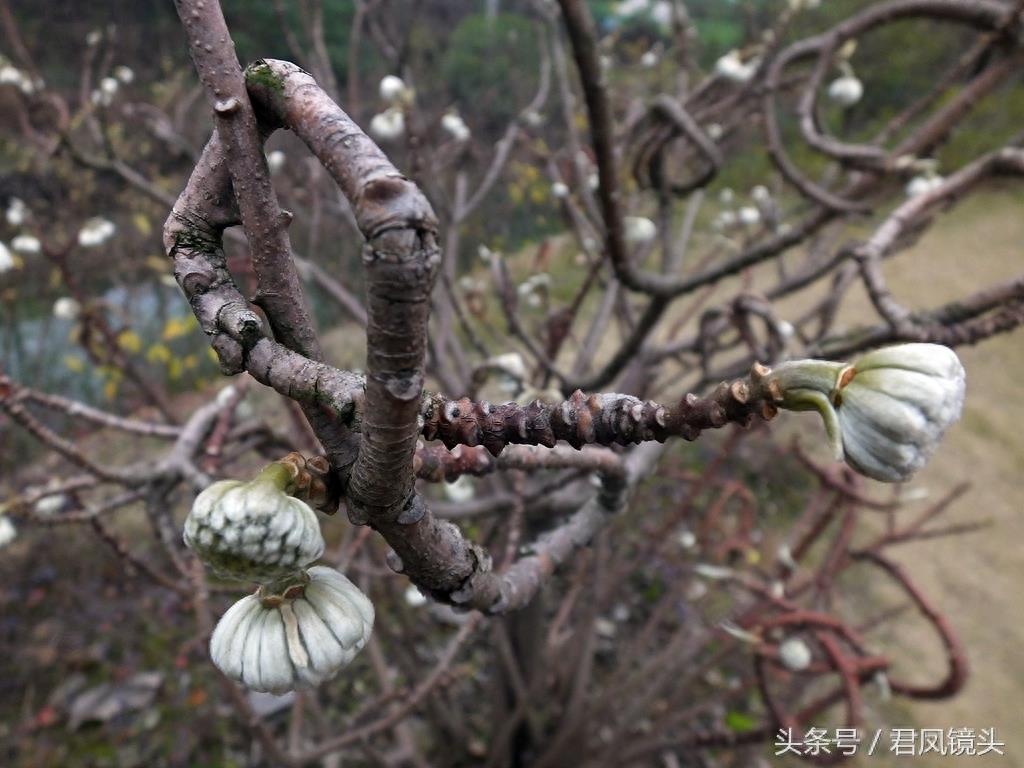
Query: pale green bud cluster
x=253 y=531
x=886 y=412
x=278 y=643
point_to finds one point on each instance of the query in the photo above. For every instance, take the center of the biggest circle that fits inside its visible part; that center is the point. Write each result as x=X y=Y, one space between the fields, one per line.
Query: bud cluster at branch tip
x=259 y=530
x=301 y=626
x=299 y=632
x=884 y=413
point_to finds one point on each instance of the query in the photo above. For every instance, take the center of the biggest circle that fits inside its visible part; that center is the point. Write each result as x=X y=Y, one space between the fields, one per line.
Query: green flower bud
x=253 y=531
x=885 y=413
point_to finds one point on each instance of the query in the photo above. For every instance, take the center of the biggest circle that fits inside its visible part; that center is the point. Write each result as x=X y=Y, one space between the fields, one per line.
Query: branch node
x=226 y=107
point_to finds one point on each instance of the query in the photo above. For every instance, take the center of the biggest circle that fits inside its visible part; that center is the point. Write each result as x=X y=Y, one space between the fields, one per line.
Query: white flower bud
x=7 y=531
x=7 y=262
x=124 y=74
x=510 y=363
x=731 y=67
x=559 y=190
x=253 y=531
x=17 y=212
x=533 y=118
x=725 y=220
x=388 y=125
x=279 y=643
x=393 y=89
x=96 y=232
x=26 y=244
x=629 y=7
x=687 y=539
x=66 y=308
x=639 y=230
x=786 y=559
x=922 y=184
x=761 y=195
x=649 y=59
x=10 y=75
x=605 y=628
x=885 y=413
x=715 y=131
x=749 y=216
x=414 y=598
x=661 y=13
x=226 y=395
x=460 y=490
x=534 y=286
x=455 y=126
x=794 y=654
x=846 y=90
x=101 y=98
x=109 y=85
x=275 y=161
x=50 y=505
x=713 y=572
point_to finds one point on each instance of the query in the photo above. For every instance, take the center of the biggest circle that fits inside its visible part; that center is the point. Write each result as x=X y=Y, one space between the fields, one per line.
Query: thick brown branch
x=604 y=419
x=401 y=260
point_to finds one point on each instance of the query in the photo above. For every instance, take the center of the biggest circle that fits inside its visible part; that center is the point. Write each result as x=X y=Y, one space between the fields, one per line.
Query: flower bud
x=7 y=262
x=7 y=531
x=923 y=184
x=794 y=654
x=276 y=643
x=749 y=216
x=16 y=212
x=388 y=125
x=886 y=412
x=455 y=126
x=460 y=490
x=253 y=531
x=96 y=231
x=394 y=90
x=276 y=161
x=639 y=230
x=732 y=67
x=66 y=308
x=413 y=597
x=846 y=90
x=26 y=244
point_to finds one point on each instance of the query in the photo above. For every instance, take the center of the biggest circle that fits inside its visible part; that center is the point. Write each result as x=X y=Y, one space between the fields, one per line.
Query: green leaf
x=740 y=722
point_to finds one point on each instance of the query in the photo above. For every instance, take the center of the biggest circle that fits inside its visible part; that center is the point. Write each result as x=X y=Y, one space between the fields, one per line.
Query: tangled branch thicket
x=519 y=663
